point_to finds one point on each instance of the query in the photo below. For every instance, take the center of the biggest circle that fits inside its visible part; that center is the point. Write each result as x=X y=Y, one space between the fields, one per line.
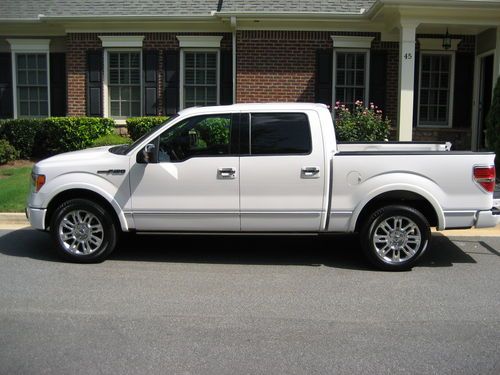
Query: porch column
x=406 y=79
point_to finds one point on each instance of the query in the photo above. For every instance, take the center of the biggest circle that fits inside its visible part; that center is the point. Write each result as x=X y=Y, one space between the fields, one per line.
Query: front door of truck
x=283 y=173
x=194 y=183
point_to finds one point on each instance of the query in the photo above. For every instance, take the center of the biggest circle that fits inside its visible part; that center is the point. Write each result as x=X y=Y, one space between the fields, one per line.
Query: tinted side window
x=196 y=136
x=280 y=133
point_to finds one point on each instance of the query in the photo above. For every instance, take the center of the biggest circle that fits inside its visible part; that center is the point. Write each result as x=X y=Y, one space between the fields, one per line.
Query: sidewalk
x=18 y=221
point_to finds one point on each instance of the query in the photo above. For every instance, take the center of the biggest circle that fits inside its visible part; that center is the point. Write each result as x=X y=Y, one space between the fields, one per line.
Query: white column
x=406 y=79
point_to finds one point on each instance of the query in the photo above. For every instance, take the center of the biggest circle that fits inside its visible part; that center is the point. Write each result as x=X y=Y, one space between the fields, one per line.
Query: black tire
x=401 y=248
x=94 y=233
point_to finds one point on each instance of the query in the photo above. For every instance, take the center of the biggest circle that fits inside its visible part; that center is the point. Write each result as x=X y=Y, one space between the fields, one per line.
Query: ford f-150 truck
x=253 y=168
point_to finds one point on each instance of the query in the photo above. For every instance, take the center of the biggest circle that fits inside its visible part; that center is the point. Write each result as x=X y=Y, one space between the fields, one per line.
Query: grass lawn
x=14 y=186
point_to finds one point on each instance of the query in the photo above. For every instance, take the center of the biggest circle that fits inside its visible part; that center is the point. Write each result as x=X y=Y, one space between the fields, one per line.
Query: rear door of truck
x=282 y=171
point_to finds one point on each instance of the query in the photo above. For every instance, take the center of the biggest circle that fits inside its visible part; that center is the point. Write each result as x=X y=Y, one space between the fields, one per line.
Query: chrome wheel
x=81 y=232
x=396 y=239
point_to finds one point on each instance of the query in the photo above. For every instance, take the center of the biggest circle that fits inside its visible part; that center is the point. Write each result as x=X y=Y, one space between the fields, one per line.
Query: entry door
x=282 y=175
x=194 y=183
x=485 y=91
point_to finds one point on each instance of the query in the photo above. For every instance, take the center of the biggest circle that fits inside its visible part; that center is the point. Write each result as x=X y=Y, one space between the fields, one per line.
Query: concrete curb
x=13 y=218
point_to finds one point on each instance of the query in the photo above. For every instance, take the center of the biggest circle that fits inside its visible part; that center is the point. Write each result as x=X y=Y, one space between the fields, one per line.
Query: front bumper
x=36 y=217
x=487 y=219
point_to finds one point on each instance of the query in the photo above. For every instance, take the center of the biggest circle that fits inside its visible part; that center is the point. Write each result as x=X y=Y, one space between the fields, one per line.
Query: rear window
x=280 y=133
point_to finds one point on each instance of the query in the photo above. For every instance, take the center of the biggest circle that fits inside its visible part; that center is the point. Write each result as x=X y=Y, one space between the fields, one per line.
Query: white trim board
x=352 y=41
x=124 y=41
x=198 y=41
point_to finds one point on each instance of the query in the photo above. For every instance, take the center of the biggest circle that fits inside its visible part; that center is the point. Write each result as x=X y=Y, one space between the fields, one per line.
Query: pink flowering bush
x=362 y=124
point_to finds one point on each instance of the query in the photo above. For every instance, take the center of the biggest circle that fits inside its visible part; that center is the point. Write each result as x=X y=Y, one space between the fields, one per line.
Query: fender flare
x=398 y=187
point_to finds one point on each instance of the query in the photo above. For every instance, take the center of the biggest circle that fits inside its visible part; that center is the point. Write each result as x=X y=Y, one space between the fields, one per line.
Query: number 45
x=408 y=56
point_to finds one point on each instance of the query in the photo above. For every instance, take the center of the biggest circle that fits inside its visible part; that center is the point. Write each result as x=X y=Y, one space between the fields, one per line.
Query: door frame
x=476 y=96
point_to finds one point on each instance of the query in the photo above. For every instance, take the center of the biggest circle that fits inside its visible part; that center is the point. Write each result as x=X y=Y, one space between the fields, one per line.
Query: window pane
x=189 y=60
x=350 y=77
x=33 y=93
x=135 y=60
x=124 y=76
x=21 y=77
x=42 y=62
x=360 y=78
x=24 y=109
x=350 y=61
x=44 y=108
x=32 y=78
x=31 y=61
x=211 y=77
x=360 y=61
x=23 y=93
x=21 y=61
x=200 y=60
x=34 y=109
x=113 y=60
x=136 y=109
x=211 y=95
x=135 y=93
x=115 y=108
x=42 y=92
x=200 y=79
x=135 y=76
x=196 y=137
x=211 y=60
x=114 y=93
x=42 y=77
x=124 y=60
x=280 y=133
x=189 y=94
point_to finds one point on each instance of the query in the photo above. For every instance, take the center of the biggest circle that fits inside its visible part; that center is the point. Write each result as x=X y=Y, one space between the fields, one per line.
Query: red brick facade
x=79 y=43
x=272 y=66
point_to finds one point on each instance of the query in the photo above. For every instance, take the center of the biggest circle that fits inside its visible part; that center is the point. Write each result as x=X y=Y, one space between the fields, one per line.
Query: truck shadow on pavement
x=337 y=251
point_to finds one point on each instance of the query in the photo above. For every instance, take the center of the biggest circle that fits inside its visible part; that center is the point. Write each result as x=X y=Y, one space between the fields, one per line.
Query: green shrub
x=361 y=124
x=493 y=125
x=64 y=134
x=47 y=136
x=7 y=152
x=111 y=139
x=21 y=134
x=137 y=126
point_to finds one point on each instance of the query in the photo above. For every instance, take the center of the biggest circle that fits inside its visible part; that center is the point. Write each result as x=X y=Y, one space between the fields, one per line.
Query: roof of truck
x=254 y=107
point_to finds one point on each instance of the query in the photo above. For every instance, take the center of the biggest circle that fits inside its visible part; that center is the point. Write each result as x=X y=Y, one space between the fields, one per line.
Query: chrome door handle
x=226 y=173
x=309 y=172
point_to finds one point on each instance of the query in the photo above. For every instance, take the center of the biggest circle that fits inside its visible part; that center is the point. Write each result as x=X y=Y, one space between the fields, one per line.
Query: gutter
x=301 y=15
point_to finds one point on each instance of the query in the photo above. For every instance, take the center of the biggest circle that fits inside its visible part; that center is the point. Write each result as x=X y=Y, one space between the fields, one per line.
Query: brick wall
x=79 y=43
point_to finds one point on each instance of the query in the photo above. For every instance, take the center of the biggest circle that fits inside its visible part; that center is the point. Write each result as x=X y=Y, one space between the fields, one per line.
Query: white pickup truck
x=253 y=168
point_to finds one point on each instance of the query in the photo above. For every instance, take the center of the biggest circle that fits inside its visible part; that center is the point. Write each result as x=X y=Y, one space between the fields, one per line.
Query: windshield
x=124 y=149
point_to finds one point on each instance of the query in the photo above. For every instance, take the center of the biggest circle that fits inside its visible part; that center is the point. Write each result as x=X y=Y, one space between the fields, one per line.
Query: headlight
x=37 y=180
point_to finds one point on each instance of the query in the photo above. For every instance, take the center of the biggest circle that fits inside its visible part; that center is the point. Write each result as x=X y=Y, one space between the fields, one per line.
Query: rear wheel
x=83 y=231
x=394 y=237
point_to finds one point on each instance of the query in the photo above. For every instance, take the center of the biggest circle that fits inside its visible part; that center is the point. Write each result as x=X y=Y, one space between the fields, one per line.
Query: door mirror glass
x=147 y=154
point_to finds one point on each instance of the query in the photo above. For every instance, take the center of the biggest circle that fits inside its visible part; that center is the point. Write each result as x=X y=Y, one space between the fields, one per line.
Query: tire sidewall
x=379 y=216
x=109 y=237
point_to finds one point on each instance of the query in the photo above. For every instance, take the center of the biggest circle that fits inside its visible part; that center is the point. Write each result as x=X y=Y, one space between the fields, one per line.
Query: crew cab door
x=193 y=185
x=283 y=172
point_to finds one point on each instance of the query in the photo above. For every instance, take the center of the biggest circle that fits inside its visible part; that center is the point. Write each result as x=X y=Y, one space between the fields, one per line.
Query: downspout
x=233 y=27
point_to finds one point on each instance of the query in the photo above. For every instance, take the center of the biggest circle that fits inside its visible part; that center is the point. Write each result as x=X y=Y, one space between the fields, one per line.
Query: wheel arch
x=73 y=193
x=419 y=200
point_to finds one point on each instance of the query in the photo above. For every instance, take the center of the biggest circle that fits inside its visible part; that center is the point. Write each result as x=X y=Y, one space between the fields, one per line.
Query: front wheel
x=394 y=237
x=83 y=231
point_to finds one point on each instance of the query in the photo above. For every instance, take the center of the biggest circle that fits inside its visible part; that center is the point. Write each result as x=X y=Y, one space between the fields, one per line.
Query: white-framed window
x=199 y=70
x=123 y=86
x=350 y=76
x=435 y=99
x=31 y=77
x=124 y=83
x=199 y=77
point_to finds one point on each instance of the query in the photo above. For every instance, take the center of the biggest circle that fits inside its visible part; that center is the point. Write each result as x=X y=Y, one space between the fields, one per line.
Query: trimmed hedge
x=53 y=135
x=137 y=126
x=7 y=152
x=110 y=140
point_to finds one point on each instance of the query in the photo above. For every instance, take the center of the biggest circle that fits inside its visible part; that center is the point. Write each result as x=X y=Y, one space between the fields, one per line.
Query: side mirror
x=147 y=154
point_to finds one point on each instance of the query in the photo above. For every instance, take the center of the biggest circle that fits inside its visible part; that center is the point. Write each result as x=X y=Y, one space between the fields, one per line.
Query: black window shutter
x=464 y=86
x=6 y=105
x=416 y=90
x=150 y=66
x=58 y=84
x=378 y=79
x=94 y=83
x=324 y=82
x=171 y=82
x=226 y=77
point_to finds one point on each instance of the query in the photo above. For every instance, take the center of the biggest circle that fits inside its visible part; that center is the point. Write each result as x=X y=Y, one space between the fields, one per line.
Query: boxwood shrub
x=7 y=152
x=111 y=139
x=35 y=138
x=137 y=126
